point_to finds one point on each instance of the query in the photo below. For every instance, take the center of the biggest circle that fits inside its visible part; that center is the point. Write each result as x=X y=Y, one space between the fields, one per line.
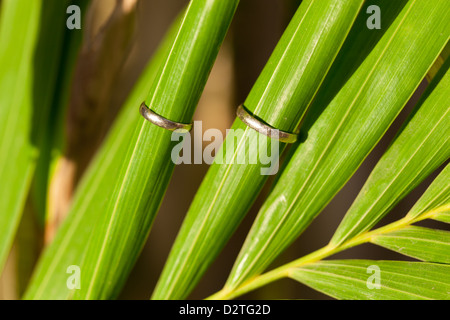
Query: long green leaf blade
x=280 y=97
x=422 y=146
x=356 y=279
x=69 y=245
x=343 y=134
x=443 y=216
x=29 y=57
x=62 y=68
x=15 y=113
x=436 y=196
x=147 y=167
x=417 y=242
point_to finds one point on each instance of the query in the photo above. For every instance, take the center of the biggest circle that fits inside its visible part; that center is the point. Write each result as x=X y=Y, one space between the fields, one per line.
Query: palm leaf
x=146 y=167
x=29 y=56
x=401 y=236
x=53 y=134
x=399 y=280
x=422 y=146
x=280 y=97
x=68 y=247
x=418 y=242
x=343 y=134
x=421 y=243
x=437 y=195
x=443 y=216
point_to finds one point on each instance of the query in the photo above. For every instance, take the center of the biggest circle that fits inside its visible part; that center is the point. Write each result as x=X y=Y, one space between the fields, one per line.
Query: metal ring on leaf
x=162 y=122
x=263 y=128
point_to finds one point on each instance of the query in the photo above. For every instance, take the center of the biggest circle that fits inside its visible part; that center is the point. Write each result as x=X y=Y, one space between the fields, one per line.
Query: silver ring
x=162 y=122
x=263 y=128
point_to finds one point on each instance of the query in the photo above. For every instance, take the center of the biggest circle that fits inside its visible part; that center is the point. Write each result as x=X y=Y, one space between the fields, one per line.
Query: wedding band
x=162 y=122
x=263 y=128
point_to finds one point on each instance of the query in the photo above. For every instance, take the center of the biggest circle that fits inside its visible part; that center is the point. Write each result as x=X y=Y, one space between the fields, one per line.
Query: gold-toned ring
x=162 y=122
x=263 y=128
